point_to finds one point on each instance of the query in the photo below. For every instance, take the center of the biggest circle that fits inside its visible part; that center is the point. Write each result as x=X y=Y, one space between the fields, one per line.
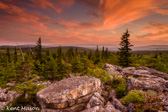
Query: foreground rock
x=71 y=94
x=7 y=96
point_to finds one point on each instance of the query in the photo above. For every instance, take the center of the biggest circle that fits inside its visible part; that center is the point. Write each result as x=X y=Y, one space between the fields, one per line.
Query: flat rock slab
x=57 y=95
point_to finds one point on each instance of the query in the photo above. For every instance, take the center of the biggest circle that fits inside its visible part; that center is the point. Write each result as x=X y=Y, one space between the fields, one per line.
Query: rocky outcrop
x=7 y=96
x=82 y=93
x=143 y=78
x=71 y=94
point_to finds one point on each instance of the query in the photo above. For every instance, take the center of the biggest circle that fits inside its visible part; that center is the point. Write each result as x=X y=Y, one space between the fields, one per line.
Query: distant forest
x=17 y=64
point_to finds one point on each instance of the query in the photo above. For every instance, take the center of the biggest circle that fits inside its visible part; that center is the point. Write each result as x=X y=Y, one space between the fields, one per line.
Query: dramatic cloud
x=82 y=21
x=119 y=12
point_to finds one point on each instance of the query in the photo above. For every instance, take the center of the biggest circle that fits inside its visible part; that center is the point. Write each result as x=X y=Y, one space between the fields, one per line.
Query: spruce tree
x=76 y=65
x=15 y=55
x=38 y=50
x=8 y=55
x=61 y=68
x=103 y=52
x=47 y=52
x=84 y=53
x=90 y=55
x=124 y=50
x=70 y=54
x=76 y=51
x=97 y=56
x=59 y=53
x=106 y=54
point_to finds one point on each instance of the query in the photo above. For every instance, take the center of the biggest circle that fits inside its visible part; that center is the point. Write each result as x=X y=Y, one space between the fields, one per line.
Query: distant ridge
x=93 y=47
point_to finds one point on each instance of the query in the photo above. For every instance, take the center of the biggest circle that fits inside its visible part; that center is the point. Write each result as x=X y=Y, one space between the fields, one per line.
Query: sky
x=83 y=21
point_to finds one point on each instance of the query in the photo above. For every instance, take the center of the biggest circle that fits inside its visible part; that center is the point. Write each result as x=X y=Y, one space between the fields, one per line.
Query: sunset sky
x=83 y=21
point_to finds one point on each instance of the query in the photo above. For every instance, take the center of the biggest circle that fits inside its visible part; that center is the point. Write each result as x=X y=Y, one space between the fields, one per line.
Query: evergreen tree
x=106 y=54
x=50 y=69
x=84 y=63
x=61 y=68
x=38 y=50
x=70 y=54
x=90 y=55
x=8 y=55
x=47 y=52
x=38 y=65
x=103 y=53
x=124 y=51
x=84 y=53
x=54 y=55
x=97 y=56
x=15 y=55
x=59 y=53
x=76 y=65
x=76 y=51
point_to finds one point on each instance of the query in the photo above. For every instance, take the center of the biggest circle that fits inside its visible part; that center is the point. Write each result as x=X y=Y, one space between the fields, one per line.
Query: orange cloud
x=77 y=24
x=57 y=5
x=115 y=13
x=45 y=4
x=158 y=31
x=119 y=12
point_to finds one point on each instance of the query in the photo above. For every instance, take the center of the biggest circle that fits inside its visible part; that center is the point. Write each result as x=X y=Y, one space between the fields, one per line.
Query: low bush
x=120 y=85
x=99 y=73
x=134 y=96
x=28 y=91
x=143 y=101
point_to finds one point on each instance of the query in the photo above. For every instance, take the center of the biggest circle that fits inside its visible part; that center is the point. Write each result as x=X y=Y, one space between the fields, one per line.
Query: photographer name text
x=20 y=108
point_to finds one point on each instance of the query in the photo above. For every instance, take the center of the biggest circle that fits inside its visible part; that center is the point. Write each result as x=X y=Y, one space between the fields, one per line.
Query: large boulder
x=71 y=93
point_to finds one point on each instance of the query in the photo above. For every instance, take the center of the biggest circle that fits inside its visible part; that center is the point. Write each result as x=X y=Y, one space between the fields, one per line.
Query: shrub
x=120 y=85
x=32 y=76
x=29 y=90
x=143 y=101
x=99 y=73
x=134 y=96
x=152 y=102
